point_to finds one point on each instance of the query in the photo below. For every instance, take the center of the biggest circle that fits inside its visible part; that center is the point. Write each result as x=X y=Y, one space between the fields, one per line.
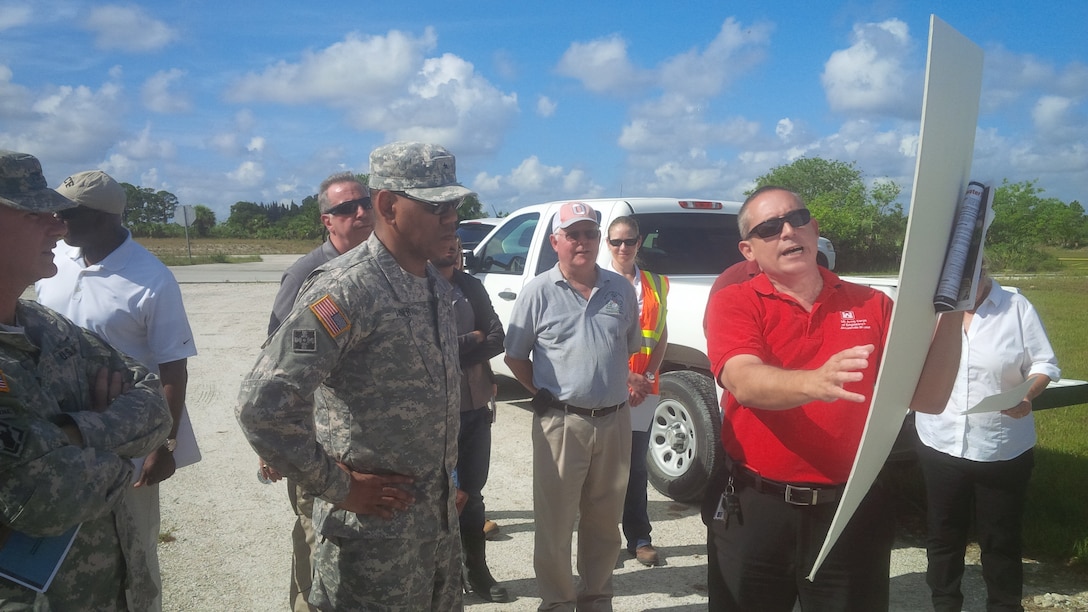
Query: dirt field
x=229 y=534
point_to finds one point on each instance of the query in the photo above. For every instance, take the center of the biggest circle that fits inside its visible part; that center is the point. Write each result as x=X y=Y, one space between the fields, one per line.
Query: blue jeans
x=473 y=464
x=636 y=517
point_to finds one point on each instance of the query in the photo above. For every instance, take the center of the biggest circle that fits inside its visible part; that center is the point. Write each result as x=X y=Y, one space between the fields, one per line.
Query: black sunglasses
x=773 y=227
x=437 y=208
x=616 y=242
x=349 y=207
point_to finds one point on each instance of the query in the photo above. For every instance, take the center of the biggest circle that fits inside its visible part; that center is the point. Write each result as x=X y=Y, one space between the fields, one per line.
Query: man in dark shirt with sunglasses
x=798 y=350
x=344 y=202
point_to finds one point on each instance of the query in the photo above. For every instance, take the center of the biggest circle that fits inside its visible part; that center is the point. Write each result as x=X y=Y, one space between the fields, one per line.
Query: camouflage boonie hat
x=23 y=186
x=426 y=172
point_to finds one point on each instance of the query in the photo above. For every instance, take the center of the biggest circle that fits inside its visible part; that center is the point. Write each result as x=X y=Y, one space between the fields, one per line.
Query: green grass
x=186 y=260
x=174 y=251
x=1056 y=518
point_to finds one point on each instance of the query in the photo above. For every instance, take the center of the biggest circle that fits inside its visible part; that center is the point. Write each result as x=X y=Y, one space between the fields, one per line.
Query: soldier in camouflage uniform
x=73 y=412
x=372 y=339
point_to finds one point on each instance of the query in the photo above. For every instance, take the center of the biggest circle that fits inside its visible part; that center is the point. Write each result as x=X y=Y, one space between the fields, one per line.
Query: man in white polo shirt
x=111 y=285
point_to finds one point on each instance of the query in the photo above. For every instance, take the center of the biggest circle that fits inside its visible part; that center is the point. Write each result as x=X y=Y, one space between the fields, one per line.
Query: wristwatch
x=650 y=376
x=171 y=444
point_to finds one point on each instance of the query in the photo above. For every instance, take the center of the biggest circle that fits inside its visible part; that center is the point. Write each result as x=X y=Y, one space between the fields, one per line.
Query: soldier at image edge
x=66 y=450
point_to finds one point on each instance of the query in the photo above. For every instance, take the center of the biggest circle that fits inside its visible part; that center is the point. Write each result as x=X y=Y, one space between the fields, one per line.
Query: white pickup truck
x=691 y=241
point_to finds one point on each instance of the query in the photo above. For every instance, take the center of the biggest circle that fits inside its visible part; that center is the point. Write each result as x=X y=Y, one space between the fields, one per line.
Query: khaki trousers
x=580 y=470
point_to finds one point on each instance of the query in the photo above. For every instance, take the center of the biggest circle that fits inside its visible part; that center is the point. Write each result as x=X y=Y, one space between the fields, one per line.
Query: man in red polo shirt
x=798 y=351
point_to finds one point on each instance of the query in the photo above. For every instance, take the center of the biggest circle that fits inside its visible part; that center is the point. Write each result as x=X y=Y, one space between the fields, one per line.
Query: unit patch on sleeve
x=330 y=315
x=304 y=340
x=12 y=439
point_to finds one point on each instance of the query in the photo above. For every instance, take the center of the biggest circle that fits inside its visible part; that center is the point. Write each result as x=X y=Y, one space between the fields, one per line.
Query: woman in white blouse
x=978 y=465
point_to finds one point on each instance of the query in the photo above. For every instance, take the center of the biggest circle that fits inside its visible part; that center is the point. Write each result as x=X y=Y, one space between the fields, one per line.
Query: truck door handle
x=508 y=295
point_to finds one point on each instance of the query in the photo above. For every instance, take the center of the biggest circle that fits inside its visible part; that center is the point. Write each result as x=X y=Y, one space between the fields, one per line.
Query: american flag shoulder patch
x=4 y=387
x=332 y=318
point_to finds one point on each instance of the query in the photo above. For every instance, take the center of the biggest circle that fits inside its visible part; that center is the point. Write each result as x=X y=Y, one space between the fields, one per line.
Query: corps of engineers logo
x=848 y=320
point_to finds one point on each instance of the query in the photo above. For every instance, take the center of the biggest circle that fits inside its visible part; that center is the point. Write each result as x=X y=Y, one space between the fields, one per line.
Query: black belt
x=588 y=412
x=798 y=495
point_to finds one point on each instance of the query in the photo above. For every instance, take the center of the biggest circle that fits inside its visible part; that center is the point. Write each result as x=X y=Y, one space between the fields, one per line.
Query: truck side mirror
x=470 y=260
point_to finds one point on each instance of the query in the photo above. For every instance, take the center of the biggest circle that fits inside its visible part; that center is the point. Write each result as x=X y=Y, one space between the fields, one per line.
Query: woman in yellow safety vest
x=624 y=241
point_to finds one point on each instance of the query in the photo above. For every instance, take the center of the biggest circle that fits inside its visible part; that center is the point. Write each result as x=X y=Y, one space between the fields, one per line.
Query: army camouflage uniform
x=47 y=485
x=376 y=347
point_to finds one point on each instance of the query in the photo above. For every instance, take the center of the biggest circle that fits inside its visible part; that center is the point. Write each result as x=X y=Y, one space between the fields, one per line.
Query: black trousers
x=993 y=494
x=763 y=564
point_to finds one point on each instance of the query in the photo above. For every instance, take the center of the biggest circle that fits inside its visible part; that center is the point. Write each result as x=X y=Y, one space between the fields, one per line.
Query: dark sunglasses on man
x=771 y=228
x=349 y=207
x=437 y=208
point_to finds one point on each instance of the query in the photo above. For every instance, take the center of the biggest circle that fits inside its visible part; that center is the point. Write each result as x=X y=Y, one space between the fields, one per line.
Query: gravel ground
x=226 y=536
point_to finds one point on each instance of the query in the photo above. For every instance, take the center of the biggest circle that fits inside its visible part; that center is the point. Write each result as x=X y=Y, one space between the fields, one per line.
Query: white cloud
x=64 y=124
x=128 y=28
x=688 y=177
x=14 y=15
x=704 y=73
x=15 y=100
x=144 y=147
x=683 y=122
x=673 y=124
x=875 y=75
x=1052 y=115
x=224 y=143
x=545 y=106
x=247 y=174
x=505 y=64
x=532 y=181
x=158 y=96
x=121 y=168
x=354 y=72
x=387 y=84
x=602 y=66
x=256 y=144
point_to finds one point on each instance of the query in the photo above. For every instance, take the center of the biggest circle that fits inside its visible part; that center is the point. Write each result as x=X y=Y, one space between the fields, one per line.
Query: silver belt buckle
x=791 y=491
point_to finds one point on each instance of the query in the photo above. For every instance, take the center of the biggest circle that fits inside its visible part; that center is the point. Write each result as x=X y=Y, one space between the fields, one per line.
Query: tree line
x=862 y=218
x=148 y=213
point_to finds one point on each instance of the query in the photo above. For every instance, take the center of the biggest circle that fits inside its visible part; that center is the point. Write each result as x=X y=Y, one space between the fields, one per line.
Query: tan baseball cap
x=96 y=190
x=23 y=186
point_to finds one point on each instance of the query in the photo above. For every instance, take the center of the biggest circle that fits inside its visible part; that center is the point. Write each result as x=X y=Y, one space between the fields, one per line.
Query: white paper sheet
x=945 y=146
x=1002 y=401
x=186 y=453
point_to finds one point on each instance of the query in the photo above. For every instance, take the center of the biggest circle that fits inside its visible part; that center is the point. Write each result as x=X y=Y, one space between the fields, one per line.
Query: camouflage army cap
x=23 y=186
x=96 y=190
x=426 y=172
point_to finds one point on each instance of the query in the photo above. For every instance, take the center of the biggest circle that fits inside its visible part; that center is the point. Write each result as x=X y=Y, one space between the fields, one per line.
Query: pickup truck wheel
x=684 y=436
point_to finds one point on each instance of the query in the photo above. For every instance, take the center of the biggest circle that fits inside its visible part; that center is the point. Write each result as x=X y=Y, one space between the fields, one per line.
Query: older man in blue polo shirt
x=580 y=325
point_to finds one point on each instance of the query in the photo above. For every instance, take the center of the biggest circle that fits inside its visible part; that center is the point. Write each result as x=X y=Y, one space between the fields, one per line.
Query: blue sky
x=234 y=100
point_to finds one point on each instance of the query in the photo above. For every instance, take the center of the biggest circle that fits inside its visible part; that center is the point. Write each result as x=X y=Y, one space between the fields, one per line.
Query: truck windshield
x=690 y=243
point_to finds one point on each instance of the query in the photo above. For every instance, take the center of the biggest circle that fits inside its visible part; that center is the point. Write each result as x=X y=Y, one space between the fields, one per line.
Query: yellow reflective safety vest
x=655 y=290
